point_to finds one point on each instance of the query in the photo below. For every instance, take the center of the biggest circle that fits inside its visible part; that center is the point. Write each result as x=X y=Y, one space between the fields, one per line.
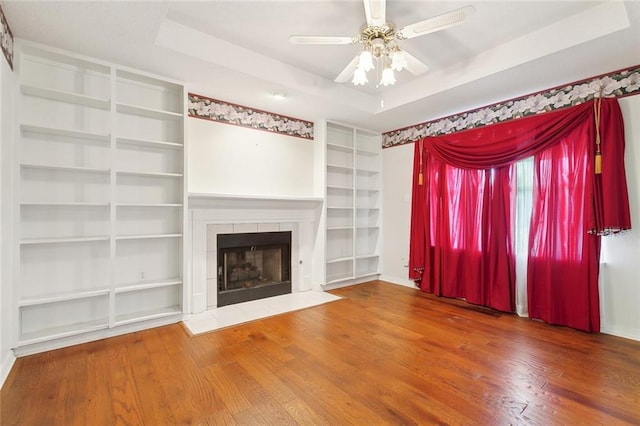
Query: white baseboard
x=35 y=348
x=348 y=283
x=7 y=364
x=621 y=332
x=405 y=282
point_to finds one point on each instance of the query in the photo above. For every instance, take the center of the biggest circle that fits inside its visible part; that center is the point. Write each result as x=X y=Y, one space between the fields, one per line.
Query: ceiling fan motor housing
x=379 y=40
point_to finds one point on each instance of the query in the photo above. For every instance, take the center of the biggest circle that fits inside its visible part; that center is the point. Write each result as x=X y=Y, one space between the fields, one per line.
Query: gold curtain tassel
x=421 y=146
x=597 y=104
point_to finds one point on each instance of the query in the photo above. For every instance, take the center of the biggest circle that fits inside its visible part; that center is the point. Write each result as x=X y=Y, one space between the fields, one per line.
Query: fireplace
x=253 y=266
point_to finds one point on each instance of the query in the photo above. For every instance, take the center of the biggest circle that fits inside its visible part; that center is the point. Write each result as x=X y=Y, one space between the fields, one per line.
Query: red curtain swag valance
x=463 y=206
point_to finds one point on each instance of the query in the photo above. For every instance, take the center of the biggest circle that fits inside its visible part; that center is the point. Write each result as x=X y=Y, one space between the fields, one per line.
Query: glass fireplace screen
x=249 y=267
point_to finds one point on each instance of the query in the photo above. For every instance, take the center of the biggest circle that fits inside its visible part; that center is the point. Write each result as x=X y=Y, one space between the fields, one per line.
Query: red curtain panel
x=563 y=264
x=465 y=218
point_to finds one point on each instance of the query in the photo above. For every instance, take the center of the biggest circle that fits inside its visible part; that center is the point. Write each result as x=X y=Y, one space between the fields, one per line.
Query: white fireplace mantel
x=211 y=197
x=242 y=213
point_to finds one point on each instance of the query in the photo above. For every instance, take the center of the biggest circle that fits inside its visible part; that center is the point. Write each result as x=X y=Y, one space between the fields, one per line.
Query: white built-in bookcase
x=100 y=194
x=353 y=202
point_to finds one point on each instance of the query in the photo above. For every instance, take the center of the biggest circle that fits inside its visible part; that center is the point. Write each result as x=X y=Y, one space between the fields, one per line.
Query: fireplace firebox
x=253 y=266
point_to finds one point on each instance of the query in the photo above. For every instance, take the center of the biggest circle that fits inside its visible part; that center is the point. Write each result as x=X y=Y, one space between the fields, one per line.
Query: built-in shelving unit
x=101 y=212
x=352 y=204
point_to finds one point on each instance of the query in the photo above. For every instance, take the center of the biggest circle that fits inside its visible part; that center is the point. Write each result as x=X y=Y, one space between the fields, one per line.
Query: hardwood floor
x=384 y=354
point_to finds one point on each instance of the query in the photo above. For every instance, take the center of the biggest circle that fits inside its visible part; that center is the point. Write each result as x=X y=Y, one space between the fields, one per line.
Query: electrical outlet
x=141 y=276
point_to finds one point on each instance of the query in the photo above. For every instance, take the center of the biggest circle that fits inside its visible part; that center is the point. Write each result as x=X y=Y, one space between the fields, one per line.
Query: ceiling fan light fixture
x=388 y=78
x=366 y=61
x=398 y=61
x=359 y=77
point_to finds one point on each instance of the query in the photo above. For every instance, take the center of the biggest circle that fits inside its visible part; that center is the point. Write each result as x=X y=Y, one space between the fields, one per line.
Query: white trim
x=405 y=282
x=349 y=282
x=34 y=348
x=623 y=332
x=249 y=197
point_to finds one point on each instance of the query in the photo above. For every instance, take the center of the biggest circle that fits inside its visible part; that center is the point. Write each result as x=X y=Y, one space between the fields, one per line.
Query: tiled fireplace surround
x=210 y=215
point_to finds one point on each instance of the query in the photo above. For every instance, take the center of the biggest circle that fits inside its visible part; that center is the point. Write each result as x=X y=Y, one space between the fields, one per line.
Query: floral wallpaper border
x=6 y=38
x=616 y=84
x=224 y=112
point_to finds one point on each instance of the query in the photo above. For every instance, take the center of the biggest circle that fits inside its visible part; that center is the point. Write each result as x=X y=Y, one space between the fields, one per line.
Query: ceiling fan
x=379 y=40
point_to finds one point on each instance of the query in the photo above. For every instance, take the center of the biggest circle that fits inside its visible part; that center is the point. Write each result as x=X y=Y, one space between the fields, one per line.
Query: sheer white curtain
x=524 y=198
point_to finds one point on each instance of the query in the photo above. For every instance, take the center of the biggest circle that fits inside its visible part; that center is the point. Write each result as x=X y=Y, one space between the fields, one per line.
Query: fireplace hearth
x=253 y=266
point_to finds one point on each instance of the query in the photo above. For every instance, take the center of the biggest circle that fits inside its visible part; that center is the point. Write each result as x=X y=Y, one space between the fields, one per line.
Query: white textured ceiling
x=239 y=51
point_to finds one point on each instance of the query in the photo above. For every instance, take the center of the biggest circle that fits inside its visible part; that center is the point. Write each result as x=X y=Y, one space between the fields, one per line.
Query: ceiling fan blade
x=437 y=23
x=308 y=39
x=376 y=11
x=347 y=72
x=414 y=65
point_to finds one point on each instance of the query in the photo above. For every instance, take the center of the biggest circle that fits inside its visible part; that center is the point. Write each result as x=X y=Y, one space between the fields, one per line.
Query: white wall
x=6 y=313
x=227 y=159
x=620 y=291
x=397 y=168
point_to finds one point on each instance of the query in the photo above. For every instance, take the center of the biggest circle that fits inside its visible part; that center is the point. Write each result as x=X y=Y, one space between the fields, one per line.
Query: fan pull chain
x=598 y=159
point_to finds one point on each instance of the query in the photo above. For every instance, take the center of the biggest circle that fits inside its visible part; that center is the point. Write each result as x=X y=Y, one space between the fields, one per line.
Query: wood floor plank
x=154 y=398
x=326 y=397
x=73 y=389
x=267 y=377
x=303 y=414
x=124 y=396
x=257 y=396
x=24 y=387
x=184 y=389
x=383 y=354
x=98 y=408
x=229 y=391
